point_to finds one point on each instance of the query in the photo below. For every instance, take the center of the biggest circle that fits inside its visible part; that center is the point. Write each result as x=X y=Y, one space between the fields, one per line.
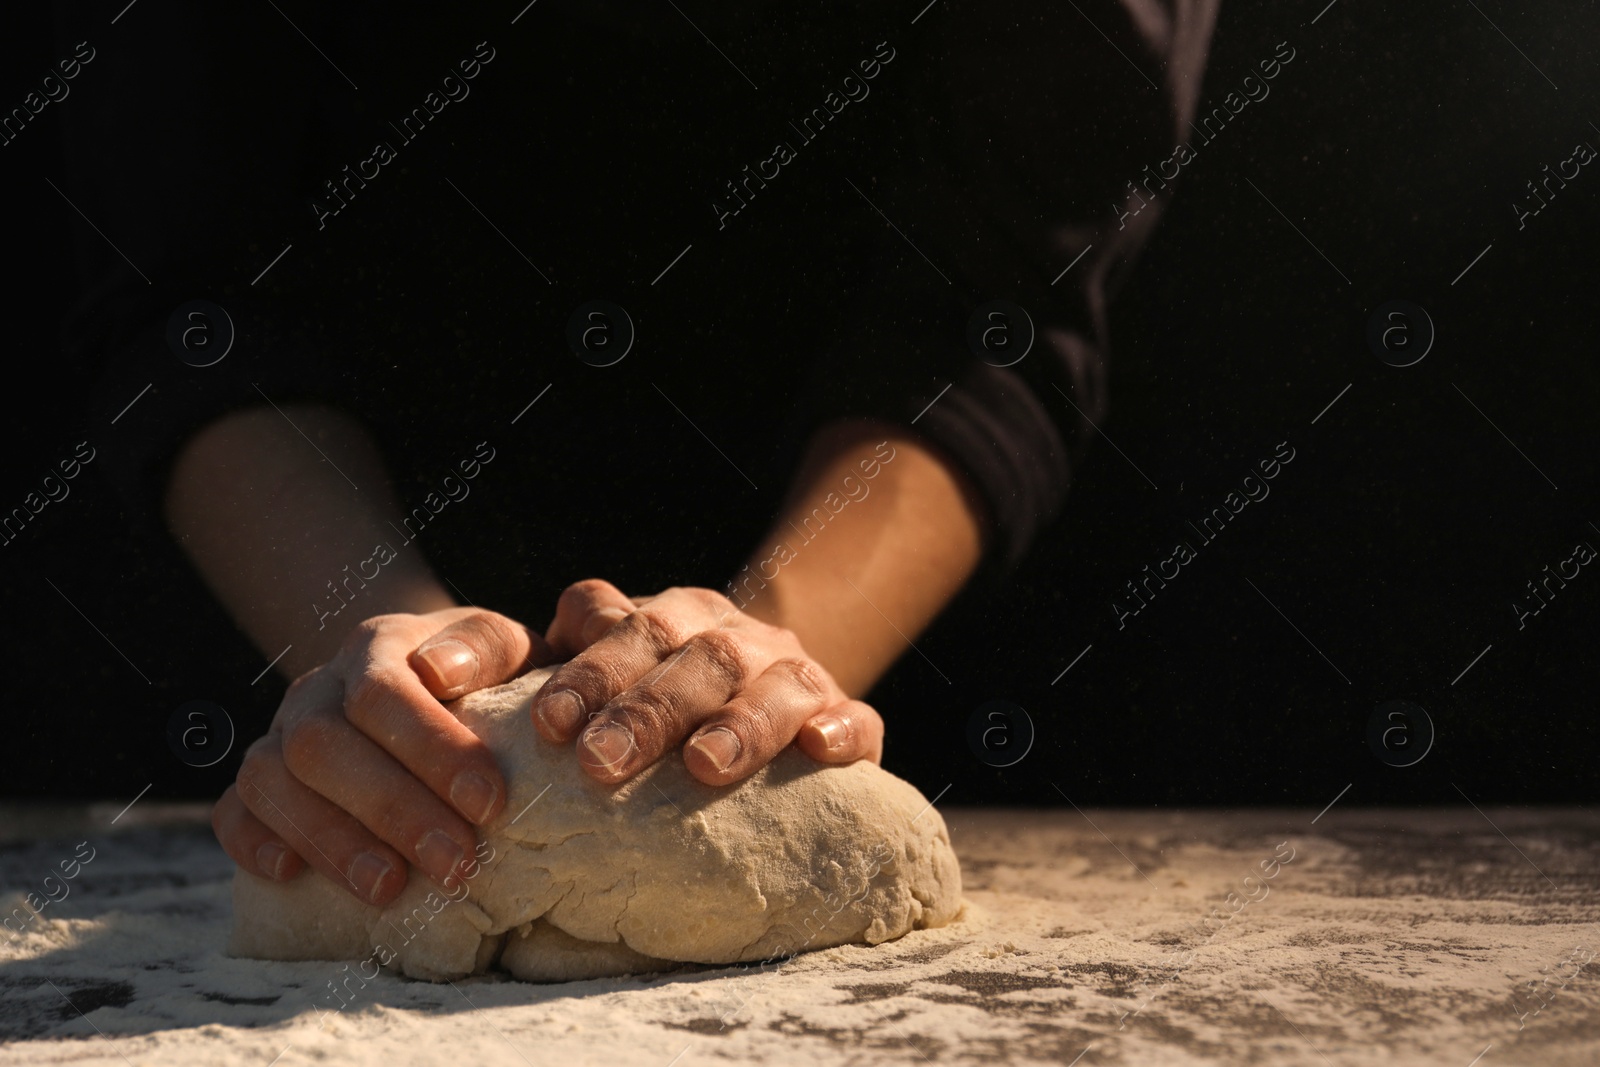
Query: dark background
x=1396 y=541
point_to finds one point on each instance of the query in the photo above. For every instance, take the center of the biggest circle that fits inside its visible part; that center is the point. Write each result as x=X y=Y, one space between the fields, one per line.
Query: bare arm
x=270 y=523
x=858 y=584
x=827 y=603
x=363 y=770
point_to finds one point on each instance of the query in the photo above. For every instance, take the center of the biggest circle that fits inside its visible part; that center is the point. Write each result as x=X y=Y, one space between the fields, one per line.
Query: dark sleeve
x=1011 y=177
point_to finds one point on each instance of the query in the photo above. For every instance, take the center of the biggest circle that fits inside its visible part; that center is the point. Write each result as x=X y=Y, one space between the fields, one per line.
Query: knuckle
x=757 y=722
x=392 y=826
x=597 y=623
x=362 y=633
x=647 y=712
x=708 y=598
x=306 y=743
x=255 y=772
x=724 y=651
x=594 y=678
x=806 y=675
x=297 y=688
x=488 y=633
x=331 y=848
x=653 y=626
x=498 y=625
x=370 y=692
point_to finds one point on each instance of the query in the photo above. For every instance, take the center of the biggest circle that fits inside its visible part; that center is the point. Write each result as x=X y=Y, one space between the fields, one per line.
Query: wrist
x=878 y=534
x=331 y=617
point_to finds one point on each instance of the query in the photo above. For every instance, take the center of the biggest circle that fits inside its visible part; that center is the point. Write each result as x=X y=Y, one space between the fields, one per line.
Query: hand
x=646 y=673
x=363 y=771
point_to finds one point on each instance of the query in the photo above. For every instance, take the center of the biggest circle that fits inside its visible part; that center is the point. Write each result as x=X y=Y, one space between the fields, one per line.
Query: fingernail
x=454 y=663
x=835 y=732
x=271 y=857
x=473 y=796
x=438 y=854
x=720 y=746
x=610 y=745
x=368 y=872
x=561 y=711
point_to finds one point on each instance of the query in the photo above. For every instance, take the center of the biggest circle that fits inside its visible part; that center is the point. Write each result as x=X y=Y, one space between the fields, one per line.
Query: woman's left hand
x=646 y=673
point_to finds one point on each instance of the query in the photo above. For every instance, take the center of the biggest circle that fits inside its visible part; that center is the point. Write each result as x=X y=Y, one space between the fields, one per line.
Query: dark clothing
x=927 y=169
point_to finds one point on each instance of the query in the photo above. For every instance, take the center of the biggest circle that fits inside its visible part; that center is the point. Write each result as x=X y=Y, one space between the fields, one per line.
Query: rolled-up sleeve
x=1014 y=174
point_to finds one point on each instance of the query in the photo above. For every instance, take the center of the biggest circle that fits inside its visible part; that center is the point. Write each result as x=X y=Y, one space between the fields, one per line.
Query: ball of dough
x=577 y=879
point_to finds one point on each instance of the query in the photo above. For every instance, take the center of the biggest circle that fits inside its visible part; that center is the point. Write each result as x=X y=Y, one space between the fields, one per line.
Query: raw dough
x=583 y=880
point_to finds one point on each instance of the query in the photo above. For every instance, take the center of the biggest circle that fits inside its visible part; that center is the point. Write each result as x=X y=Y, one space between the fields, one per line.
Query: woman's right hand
x=363 y=770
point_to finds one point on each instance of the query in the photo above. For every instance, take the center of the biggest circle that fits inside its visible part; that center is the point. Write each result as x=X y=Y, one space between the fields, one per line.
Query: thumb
x=479 y=651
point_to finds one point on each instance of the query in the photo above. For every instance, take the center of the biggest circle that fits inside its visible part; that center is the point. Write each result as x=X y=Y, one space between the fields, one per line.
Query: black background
x=1396 y=541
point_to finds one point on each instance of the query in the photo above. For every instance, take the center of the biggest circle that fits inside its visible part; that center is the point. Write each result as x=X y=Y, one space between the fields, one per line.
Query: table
x=1354 y=936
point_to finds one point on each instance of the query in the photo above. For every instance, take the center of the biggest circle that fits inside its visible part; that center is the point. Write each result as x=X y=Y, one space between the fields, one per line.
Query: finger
x=479 y=651
x=845 y=732
x=642 y=722
x=389 y=704
x=336 y=760
x=584 y=612
x=326 y=836
x=759 y=722
x=634 y=646
x=249 y=841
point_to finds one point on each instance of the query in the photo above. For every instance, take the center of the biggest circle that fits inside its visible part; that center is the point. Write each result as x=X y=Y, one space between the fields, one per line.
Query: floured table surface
x=1368 y=937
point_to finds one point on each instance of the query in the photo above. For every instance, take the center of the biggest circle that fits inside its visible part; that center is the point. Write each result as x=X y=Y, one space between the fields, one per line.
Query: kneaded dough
x=583 y=880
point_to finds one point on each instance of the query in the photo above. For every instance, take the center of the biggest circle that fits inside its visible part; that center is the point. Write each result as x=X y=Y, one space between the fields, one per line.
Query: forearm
x=880 y=532
x=286 y=539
